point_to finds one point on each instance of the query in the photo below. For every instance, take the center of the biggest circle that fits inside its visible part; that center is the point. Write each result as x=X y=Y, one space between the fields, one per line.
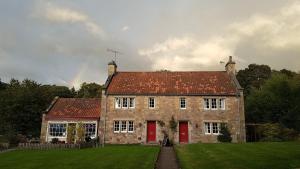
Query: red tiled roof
x=172 y=83
x=75 y=108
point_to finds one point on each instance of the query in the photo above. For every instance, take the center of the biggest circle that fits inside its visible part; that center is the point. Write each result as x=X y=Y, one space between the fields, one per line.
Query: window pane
x=206 y=104
x=222 y=104
x=90 y=130
x=215 y=128
x=57 y=129
x=207 y=128
x=130 y=126
x=123 y=126
x=151 y=102
x=125 y=102
x=182 y=103
x=213 y=103
x=131 y=102
x=117 y=102
x=116 y=126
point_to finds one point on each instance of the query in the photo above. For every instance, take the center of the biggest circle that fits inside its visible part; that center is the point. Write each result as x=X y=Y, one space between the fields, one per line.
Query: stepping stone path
x=167 y=159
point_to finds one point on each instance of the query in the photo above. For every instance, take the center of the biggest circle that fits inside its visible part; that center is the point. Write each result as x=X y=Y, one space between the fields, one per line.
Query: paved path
x=167 y=159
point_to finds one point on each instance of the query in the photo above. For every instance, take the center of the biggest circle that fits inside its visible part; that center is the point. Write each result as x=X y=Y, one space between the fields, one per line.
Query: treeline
x=272 y=98
x=22 y=104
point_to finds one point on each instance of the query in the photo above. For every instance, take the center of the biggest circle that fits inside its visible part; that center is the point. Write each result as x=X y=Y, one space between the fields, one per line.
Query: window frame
x=149 y=103
x=118 y=103
x=221 y=104
x=119 y=127
x=131 y=105
x=216 y=104
x=128 y=127
x=207 y=128
x=62 y=131
x=180 y=103
x=206 y=103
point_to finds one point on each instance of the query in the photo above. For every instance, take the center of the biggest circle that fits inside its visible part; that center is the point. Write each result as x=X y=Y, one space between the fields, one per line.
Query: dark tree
x=89 y=90
x=253 y=77
x=225 y=135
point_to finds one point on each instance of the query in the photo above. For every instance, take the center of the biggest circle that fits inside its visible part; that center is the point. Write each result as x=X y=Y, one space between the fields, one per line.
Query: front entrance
x=183 y=132
x=151 y=131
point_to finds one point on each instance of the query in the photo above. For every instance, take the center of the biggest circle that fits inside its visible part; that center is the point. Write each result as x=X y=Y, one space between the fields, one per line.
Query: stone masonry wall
x=166 y=107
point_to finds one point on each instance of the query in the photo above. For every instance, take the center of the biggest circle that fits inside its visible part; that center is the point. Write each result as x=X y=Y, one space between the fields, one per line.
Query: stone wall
x=166 y=107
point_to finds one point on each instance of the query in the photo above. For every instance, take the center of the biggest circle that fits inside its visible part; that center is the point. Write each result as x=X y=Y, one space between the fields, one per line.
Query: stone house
x=70 y=112
x=138 y=107
x=143 y=107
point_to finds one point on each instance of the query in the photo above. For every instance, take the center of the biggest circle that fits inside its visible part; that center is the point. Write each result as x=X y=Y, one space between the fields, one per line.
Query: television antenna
x=115 y=52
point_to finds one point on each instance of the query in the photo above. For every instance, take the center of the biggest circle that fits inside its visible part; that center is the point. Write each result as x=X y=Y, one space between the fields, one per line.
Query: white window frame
x=125 y=100
x=128 y=127
x=207 y=128
x=119 y=126
x=149 y=102
x=216 y=104
x=210 y=125
x=87 y=132
x=131 y=101
x=180 y=103
x=206 y=103
x=64 y=134
x=118 y=102
x=123 y=131
x=222 y=105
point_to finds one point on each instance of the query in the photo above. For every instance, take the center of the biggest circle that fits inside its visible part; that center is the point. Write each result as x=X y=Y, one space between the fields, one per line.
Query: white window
x=212 y=128
x=207 y=128
x=222 y=104
x=131 y=102
x=214 y=104
x=116 y=126
x=206 y=104
x=151 y=102
x=130 y=127
x=90 y=130
x=57 y=129
x=215 y=128
x=182 y=103
x=118 y=103
x=124 y=102
x=123 y=126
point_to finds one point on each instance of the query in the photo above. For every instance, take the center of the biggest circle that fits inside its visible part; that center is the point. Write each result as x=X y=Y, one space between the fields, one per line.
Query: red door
x=183 y=132
x=151 y=131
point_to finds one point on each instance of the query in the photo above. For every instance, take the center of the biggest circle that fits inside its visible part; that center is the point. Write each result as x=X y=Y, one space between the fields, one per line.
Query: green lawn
x=110 y=157
x=285 y=155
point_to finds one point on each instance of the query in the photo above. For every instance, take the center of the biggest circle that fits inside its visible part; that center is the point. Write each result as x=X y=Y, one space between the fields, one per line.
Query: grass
x=275 y=155
x=109 y=157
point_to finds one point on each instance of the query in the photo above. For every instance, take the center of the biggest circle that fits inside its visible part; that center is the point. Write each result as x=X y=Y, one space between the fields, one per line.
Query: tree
x=276 y=102
x=225 y=135
x=89 y=90
x=253 y=77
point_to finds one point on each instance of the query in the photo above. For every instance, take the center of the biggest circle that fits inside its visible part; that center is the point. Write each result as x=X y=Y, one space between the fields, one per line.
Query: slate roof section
x=75 y=109
x=172 y=83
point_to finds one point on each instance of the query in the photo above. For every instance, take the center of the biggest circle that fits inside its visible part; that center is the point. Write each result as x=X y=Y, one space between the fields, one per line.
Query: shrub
x=276 y=132
x=54 y=141
x=225 y=135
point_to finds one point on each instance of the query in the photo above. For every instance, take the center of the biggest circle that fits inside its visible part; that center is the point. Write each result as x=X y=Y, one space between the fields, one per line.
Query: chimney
x=230 y=66
x=112 y=68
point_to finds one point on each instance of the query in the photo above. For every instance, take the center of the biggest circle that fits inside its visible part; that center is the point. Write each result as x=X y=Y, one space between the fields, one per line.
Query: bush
x=225 y=135
x=14 y=140
x=55 y=141
x=276 y=132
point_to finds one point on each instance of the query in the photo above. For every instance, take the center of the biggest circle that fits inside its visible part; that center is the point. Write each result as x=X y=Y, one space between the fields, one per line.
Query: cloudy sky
x=65 y=41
